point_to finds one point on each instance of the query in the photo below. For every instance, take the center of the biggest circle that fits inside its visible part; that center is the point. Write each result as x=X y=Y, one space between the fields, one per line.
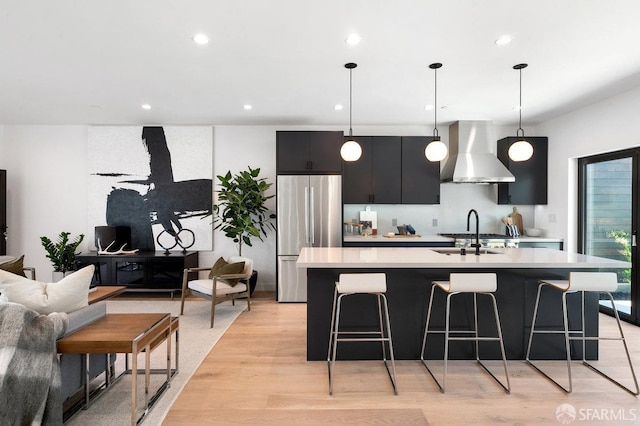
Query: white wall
x=46 y=187
x=607 y=126
x=48 y=177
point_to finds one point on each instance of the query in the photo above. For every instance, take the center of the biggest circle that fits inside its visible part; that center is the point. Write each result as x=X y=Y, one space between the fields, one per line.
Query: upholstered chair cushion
x=222 y=288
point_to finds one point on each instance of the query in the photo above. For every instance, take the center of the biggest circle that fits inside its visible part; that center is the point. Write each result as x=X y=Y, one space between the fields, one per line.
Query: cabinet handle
x=509 y=198
x=438 y=199
x=309 y=165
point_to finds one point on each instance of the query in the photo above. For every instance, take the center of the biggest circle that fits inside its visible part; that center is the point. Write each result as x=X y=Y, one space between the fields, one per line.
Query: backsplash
x=450 y=215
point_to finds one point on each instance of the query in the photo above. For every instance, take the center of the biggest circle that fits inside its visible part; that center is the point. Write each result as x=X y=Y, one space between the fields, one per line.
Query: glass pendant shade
x=520 y=150
x=435 y=151
x=351 y=151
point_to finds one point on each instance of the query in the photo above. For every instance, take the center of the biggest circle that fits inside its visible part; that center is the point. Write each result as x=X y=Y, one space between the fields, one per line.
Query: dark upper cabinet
x=376 y=176
x=420 y=177
x=530 y=186
x=308 y=152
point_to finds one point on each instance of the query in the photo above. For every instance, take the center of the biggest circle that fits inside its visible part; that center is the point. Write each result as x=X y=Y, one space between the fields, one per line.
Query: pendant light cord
x=350 y=100
x=520 y=131
x=435 y=104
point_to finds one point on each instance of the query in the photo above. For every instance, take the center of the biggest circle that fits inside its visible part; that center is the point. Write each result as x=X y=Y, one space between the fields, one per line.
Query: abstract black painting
x=155 y=179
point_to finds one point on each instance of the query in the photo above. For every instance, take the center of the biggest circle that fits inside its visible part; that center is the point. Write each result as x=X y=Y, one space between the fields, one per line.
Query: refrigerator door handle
x=313 y=217
x=306 y=215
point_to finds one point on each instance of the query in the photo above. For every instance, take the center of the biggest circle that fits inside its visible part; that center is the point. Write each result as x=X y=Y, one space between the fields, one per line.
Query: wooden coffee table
x=128 y=334
x=103 y=292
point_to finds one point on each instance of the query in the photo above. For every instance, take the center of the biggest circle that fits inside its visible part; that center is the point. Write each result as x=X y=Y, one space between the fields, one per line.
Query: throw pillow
x=67 y=295
x=222 y=267
x=14 y=266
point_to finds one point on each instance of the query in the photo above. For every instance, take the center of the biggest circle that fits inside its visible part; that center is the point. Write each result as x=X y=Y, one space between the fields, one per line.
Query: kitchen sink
x=470 y=250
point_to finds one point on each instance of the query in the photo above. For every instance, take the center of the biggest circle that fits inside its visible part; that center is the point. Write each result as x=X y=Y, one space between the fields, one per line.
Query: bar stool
x=350 y=284
x=600 y=282
x=459 y=283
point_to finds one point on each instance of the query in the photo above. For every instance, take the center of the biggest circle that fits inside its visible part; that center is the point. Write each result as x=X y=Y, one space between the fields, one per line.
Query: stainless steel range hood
x=471 y=155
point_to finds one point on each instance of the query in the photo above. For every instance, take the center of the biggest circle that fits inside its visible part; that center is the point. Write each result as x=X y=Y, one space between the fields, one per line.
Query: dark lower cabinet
x=149 y=271
x=376 y=177
x=420 y=177
x=308 y=152
x=530 y=186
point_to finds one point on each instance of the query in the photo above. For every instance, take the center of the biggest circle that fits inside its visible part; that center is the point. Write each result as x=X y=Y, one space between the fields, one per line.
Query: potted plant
x=241 y=212
x=62 y=253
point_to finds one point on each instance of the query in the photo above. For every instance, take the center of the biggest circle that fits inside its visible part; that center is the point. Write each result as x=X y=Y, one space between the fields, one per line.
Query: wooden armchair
x=217 y=289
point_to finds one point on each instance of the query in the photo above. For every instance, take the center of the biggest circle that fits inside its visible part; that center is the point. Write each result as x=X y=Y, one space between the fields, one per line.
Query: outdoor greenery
x=62 y=253
x=241 y=212
x=624 y=242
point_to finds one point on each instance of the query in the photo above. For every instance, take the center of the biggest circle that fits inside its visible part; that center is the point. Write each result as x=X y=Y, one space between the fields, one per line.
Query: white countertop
x=423 y=257
x=398 y=239
x=430 y=239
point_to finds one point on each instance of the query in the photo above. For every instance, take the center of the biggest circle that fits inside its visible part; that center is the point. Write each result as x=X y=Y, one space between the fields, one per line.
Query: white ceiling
x=96 y=62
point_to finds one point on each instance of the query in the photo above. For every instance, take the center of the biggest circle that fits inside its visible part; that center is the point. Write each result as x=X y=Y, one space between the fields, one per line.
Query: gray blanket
x=29 y=368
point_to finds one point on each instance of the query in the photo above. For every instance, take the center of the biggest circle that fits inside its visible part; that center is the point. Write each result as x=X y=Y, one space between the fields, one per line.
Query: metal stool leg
x=476 y=338
x=565 y=331
x=626 y=349
x=392 y=374
x=424 y=339
x=506 y=388
x=334 y=335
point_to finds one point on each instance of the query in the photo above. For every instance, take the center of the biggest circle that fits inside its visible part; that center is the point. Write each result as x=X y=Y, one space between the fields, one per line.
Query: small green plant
x=241 y=212
x=62 y=253
x=622 y=238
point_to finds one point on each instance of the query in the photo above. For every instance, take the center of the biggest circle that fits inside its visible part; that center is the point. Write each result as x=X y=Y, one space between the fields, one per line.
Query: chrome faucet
x=477 y=244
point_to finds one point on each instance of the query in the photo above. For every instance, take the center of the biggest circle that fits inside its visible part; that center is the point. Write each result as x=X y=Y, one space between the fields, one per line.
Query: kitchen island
x=409 y=274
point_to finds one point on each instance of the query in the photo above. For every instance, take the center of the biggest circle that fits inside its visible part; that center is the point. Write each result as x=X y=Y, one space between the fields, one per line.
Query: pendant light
x=351 y=150
x=521 y=149
x=435 y=150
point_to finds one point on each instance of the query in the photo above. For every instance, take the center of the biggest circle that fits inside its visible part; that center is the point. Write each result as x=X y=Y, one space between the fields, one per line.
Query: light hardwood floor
x=258 y=374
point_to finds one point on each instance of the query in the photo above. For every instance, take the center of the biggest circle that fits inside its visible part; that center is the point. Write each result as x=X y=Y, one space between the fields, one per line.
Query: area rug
x=113 y=407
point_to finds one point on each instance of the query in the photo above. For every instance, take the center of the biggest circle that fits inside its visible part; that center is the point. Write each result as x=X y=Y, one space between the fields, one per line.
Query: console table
x=144 y=271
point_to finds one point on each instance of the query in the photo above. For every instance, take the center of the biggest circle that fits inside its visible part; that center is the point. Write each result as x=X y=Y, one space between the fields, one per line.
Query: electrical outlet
x=434 y=222
x=552 y=217
x=394 y=222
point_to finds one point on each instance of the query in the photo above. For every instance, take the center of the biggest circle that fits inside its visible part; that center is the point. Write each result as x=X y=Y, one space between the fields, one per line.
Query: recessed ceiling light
x=353 y=39
x=338 y=107
x=247 y=107
x=200 y=39
x=503 y=39
x=146 y=106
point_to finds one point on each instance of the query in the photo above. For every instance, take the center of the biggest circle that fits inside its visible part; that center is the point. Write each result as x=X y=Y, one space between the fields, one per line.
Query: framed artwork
x=157 y=180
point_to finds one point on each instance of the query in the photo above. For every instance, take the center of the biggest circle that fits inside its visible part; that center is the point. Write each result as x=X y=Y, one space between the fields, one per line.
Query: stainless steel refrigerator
x=309 y=211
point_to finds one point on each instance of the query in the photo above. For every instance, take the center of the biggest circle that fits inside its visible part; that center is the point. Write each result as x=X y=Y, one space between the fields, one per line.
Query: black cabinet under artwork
x=147 y=270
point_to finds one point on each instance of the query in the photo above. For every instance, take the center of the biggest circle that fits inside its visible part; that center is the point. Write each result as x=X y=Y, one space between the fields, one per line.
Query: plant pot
x=253 y=281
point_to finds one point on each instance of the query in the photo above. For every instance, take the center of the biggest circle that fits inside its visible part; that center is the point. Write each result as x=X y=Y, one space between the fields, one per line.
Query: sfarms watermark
x=567 y=414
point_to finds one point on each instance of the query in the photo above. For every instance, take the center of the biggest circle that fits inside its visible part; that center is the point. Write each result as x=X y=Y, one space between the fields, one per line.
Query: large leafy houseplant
x=62 y=253
x=241 y=212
